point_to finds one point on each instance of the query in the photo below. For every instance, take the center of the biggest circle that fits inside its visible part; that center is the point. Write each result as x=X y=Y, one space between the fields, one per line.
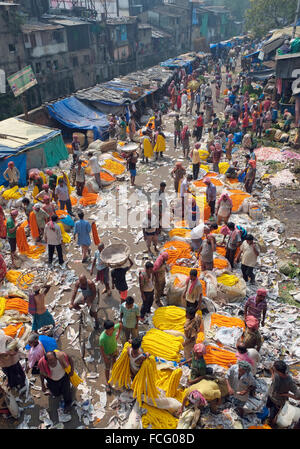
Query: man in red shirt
x=199 y=126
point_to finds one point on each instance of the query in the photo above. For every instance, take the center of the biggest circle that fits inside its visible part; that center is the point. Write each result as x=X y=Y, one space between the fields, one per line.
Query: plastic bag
x=186 y=419
x=175 y=290
x=231 y=293
x=288 y=415
x=211 y=285
x=134 y=420
x=92 y=186
x=169 y=404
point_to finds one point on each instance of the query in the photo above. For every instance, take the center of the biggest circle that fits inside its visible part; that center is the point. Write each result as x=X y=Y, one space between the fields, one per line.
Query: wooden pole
x=296 y=19
x=25 y=108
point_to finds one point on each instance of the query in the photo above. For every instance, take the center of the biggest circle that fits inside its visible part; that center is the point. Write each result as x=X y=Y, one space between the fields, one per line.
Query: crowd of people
x=244 y=117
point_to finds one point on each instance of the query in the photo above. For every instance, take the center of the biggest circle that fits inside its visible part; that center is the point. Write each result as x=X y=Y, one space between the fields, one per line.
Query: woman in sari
x=160 y=145
x=250 y=176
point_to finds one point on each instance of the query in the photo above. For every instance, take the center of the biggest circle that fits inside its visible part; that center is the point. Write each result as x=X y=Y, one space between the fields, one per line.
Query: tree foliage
x=237 y=7
x=265 y=15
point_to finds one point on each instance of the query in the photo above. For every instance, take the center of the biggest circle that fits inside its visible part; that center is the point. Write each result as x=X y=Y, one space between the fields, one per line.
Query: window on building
x=75 y=61
x=55 y=65
x=32 y=40
x=38 y=67
x=48 y=64
x=11 y=48
x=58 y=36
x=87 y=59
x=26 y=39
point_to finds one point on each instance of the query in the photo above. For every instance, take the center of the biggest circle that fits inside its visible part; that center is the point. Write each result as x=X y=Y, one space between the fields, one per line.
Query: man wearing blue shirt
x=83 y=229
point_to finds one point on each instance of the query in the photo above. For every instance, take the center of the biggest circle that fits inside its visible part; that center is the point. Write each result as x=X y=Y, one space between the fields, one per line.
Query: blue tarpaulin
x=74 y=114
x=20 y=163
x=176 y=62
x=220 y=45
x=256 y=53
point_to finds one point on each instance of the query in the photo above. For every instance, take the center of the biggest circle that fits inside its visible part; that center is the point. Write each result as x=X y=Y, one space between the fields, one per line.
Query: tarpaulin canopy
x=17 y=135
x=73 y=113
x=256 y=53
x=261 y=74
x=221 y=44
x=29 y=146
x=176 y=63
x=115 y=95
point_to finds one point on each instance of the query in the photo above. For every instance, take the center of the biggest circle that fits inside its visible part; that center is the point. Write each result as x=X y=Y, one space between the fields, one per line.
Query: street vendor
x=196 y=403
x=192 y=326
x=41 y=316
x=11 y=174
x=41 y=219
x=136 y=356
x=279 y=391
x=159 y=271
x=193 y=291
x=88 y=296
x=257 y=305
x=240 y=384
x=45 y=192
x=10 y=365
x=251 y=337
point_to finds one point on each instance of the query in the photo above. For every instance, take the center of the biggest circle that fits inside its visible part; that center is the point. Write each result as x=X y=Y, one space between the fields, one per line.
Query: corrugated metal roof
x=9 y=4
x=28 y=27
x=71 y=22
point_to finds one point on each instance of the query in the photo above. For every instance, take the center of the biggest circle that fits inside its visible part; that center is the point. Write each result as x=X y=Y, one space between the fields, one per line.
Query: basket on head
x=115 y=254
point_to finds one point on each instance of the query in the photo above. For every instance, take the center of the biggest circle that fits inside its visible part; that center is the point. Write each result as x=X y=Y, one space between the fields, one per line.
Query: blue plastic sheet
x=74 y=114
x=20 y=163
x=68 y=221
x=241 y=177
x=237 y=138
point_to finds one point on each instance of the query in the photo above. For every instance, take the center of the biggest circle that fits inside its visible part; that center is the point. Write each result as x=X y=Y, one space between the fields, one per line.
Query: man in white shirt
x=248 y=255
x=95 y=168
x=185 y=185
x=53 y=238
x=11 y=174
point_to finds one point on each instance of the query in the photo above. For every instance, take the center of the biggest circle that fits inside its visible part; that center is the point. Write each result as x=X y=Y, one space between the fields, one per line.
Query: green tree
x=265 y=15
x=237 y=7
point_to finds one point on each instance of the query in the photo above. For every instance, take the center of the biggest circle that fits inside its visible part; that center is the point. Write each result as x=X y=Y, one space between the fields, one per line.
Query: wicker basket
x=115 y=255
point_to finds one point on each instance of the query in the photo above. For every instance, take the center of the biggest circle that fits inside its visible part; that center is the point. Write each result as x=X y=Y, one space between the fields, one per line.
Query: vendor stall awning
x=286 y=64
x=17 y=135
x=75 y=114
x=255 y=53
x=261 y=75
